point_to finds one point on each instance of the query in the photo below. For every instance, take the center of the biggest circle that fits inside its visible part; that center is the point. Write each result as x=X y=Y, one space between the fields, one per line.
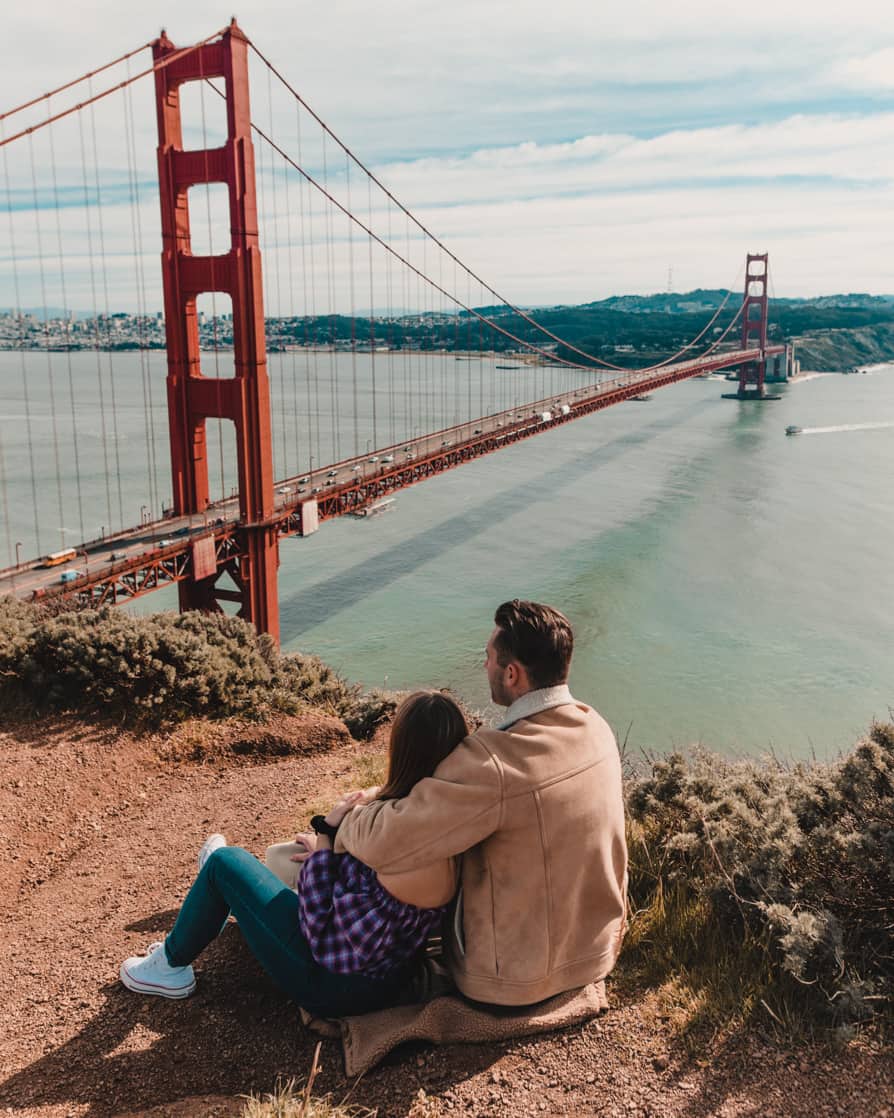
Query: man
x=535 y=808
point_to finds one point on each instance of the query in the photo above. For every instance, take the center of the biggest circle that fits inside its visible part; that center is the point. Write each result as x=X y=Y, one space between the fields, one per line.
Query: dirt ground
x=98 y=836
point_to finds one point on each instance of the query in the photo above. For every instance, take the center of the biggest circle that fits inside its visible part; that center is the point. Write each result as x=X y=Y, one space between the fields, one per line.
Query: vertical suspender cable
x=269 y=317
x=372 y=320
x=143 y=304
x=97 y=340
x=389 y=302
x=277 y=251
x=105 y=286
x=4 y=497
x=26 y=396
x=409 y=386
x=46 y=336
x=67 y=310
x=310 y=308
x=334 y=417
x=292 y=315
x=353 y=307
x=422 y=296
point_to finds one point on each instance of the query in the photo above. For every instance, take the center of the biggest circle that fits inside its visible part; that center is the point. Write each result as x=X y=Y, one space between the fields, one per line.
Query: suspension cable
x=75 y=81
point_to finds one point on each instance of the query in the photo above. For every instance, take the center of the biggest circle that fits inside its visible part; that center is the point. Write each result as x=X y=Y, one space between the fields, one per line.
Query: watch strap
x=321 y=827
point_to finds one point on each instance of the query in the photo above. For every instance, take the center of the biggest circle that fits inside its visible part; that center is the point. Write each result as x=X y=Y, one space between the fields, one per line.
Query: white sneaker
x=211 y=843
x=153 y=974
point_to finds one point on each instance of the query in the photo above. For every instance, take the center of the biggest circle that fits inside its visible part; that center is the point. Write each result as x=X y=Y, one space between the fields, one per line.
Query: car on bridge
x=70 y=576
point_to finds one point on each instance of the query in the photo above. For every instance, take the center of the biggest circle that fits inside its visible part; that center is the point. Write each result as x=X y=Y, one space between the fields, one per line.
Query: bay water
x=727 y=584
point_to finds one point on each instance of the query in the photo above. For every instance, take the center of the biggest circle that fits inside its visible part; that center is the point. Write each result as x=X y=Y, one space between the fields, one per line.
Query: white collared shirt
x=533 y=702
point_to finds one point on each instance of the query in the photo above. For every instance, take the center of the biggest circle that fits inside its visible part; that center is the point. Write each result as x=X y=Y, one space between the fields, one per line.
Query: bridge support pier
x=193 y=397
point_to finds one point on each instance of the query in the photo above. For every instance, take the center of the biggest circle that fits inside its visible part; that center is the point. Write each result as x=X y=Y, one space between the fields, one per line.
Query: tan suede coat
x=537 y=810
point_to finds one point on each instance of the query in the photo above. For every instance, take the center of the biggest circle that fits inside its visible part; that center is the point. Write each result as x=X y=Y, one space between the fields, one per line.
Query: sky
x=564 y=151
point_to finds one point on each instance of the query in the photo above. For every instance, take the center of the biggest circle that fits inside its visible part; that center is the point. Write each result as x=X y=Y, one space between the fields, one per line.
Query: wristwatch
x=319 y=825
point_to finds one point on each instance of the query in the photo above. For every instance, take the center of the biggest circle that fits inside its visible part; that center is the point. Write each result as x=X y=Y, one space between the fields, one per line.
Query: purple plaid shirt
x=354 y=925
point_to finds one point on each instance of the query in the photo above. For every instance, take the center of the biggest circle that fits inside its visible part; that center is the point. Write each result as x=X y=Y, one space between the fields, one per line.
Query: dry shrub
x=776 y=881
x=163 y=668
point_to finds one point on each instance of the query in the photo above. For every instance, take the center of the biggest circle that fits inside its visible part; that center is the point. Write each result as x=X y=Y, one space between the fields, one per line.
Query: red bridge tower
x=754 y=326
x=193 y=397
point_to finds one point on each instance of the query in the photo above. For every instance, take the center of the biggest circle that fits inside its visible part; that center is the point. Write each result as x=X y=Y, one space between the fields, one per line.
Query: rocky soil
x=98 y=835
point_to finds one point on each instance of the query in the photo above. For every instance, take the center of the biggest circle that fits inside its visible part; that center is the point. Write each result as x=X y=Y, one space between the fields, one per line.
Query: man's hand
x=344 y=805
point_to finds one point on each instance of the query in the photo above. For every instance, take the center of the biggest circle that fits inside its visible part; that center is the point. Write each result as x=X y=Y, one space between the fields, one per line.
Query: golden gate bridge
x=404 y=416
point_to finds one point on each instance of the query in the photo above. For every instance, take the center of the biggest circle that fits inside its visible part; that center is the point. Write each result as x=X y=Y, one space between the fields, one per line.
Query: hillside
x=99 y=837
x=841 y=349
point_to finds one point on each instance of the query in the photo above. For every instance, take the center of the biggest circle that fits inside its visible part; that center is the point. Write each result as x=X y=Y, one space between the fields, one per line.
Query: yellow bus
x=58 y=557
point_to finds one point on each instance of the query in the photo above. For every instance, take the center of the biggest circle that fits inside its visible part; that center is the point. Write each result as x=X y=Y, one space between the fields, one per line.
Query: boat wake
x=845 y=427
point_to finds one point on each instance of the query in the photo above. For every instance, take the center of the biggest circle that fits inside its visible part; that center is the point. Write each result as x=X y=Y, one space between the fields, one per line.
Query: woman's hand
x=311 y=843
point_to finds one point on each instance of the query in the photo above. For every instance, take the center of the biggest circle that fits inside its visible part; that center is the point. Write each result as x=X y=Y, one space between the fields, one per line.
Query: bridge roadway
x=129 y=564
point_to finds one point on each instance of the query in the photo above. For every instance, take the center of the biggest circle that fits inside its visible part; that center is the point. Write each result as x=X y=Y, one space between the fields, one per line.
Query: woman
x=345 y=941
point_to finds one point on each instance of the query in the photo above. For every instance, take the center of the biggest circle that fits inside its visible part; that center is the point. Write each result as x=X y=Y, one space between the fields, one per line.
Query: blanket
x=451 y=1019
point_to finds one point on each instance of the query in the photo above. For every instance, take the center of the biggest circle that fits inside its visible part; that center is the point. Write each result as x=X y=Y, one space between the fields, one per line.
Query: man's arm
x=444 y=814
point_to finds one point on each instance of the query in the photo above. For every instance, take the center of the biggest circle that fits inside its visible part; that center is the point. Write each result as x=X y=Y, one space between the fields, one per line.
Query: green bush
x=792 y=867
x=163 y=668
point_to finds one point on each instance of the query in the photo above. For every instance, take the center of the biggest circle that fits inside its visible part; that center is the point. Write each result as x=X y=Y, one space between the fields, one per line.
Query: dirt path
x=98 y=835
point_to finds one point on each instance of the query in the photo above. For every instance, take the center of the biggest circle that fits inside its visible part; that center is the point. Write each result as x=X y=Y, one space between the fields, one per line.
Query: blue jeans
x=232 y=880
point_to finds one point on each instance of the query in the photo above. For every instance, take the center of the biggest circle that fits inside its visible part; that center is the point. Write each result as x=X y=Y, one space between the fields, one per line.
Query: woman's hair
x=427 y=726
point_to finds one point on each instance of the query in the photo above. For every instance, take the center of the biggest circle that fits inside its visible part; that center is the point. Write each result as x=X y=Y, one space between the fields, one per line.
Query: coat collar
x=534 y=702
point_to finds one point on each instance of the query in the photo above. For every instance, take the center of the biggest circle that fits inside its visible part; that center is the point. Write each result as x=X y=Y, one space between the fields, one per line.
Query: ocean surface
x=727 y=584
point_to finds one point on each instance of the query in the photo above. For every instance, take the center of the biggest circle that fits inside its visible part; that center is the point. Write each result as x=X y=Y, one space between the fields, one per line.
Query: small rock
x=661 y=1063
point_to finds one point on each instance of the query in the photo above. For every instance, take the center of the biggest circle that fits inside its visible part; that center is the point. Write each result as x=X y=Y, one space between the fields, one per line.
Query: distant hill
x=830 y=331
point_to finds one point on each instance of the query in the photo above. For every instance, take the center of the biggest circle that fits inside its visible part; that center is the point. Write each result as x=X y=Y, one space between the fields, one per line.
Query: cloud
x=564 y=157
x=870 y=71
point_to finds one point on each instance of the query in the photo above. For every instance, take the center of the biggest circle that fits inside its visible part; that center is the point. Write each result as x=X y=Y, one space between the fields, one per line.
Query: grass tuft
x=293 y=1098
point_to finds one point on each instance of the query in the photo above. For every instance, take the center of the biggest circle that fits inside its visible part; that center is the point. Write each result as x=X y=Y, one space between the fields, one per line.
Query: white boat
x=375 y=509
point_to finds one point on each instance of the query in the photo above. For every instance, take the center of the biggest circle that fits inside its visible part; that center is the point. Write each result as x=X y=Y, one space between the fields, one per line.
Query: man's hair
x=538 y=637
